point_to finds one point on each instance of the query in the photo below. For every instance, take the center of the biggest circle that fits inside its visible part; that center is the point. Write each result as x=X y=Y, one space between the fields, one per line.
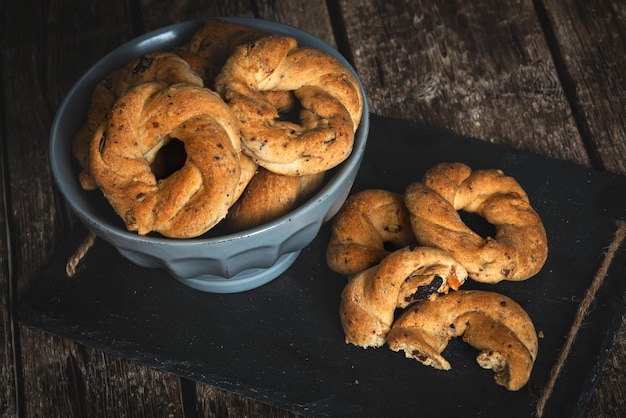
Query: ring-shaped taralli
x=197 y=196
x=370 y=299
x=329 y=95
x=156 y=66
x=493 y=323
x=519 y=247
x=269 y=195
x=367 y=222
x=211 y=45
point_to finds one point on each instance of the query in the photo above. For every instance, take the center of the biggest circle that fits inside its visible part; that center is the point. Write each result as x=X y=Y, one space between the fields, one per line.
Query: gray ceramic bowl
x=223 y=264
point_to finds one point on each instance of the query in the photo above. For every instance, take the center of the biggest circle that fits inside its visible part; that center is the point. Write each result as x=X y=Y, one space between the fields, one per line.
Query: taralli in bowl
x=269 y=195
x=165 y=67
x=195 y=197
x=328 y=92
x=219 y=260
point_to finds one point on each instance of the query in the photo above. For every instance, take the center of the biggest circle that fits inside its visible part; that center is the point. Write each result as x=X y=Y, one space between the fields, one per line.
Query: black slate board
x=282 y=344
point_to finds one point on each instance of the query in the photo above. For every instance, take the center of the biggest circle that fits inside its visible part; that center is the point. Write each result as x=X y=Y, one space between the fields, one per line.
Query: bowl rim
x=180 y=30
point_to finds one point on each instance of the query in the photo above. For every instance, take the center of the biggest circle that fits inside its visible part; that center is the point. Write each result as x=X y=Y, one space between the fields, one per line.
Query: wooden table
x=544 y=76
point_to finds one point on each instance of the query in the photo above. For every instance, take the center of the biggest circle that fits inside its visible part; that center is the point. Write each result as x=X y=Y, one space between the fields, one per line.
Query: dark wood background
x=545 y=76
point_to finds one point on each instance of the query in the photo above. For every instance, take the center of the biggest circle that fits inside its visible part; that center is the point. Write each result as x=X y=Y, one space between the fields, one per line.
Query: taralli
x=270 y=195
x=158 y=66
x=494 y=324
x=328 y=93
x=210 y=47
x=248 y=171
x=367 y=222
x=212 y=44
x=519 y=247
x=192 y=199
x=370 y=299
x=165 y=148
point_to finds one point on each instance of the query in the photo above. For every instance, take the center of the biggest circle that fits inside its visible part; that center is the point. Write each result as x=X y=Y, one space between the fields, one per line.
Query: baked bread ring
x=270 y=195
x=158 y=66
x=492 y=323
x=366 y=222
x=212 y=44
x=329 y=94
x=248 y=171
x=296 y=189
x=369 y=300
x=192 y=199
x=519 y=247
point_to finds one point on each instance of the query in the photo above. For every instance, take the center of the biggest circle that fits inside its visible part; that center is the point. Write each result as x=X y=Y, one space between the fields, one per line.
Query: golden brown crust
x=492 y=323
x=370 y=298
x=248 y=171
x=212 y=44
x=269 y=196
x=328 y=93
x=194 y=198
x=158 y=66
x=116 y=147
x=516 y=252
x=366 y=222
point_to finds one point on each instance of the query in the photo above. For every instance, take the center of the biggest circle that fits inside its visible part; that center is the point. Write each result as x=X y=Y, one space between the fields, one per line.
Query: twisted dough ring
x=369 y=300
x=329 y=94
x=209 y=48
x=366 y=222
x=492 y=323
x=519 y=248
x=192 y=199
x=268 y=196
x=212 y=44
x=157 y=66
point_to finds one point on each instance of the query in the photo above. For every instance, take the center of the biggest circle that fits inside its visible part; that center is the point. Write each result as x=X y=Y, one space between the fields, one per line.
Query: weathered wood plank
x=309 y=16
x=591 y=38
x=477 y=68
x=159 y=13
x=33 y=217
x=8 y=395
x=608 y=399
x=92 y=384
x=212 y=402
x=79 y=33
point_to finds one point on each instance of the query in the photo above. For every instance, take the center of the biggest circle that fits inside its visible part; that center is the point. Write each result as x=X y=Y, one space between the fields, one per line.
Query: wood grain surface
x=544 y=76
x=589 y=43
x=479 y=70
